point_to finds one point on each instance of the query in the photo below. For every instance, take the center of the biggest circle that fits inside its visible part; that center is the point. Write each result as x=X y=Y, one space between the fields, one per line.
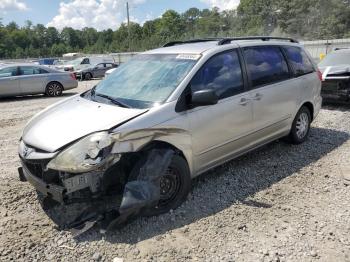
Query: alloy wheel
x=302 y=125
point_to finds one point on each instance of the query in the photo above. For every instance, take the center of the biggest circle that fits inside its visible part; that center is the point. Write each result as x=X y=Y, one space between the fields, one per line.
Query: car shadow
x=33 y=97
x=232 y=183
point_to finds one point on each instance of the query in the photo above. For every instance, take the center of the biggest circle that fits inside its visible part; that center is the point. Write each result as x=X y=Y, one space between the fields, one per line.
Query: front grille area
x=36 y=168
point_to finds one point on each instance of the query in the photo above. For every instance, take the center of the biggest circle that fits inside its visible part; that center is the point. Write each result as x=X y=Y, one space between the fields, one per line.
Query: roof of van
x=201 y=47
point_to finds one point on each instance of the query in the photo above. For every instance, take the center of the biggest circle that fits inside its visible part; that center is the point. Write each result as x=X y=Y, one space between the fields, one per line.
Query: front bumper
x=62 y=187
x=78 y=76
x=55 y=192
x=336 y=89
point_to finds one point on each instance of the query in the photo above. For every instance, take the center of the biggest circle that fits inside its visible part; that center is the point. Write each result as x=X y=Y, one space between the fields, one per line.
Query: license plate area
x=76 y=183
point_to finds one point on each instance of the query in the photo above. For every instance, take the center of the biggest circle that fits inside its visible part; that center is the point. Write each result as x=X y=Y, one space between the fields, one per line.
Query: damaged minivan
x=335 y=68
x=168 y=115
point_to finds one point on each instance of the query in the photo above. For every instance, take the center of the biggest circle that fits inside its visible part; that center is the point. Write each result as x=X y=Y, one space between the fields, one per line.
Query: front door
x=217 y=129
x=99 y=70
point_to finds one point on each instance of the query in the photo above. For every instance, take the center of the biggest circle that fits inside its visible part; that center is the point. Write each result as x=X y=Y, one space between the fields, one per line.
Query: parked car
x=335 y=68
x=110 y=71
x=84 y=62
x=166 y=116
x=96 y=71
x=47 y=61
x=29 y=79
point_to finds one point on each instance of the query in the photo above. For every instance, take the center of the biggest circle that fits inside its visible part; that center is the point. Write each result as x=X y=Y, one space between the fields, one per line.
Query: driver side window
x=222 y=73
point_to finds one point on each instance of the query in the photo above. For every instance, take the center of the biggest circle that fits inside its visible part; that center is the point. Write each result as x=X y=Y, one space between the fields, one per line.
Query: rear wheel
x=88 y=76
x=301 y=126
x=54 y=89
x=175 y=185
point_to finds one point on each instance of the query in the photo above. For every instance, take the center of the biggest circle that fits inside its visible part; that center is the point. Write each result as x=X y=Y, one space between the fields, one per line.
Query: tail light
x=73 y=76
x=319 y=75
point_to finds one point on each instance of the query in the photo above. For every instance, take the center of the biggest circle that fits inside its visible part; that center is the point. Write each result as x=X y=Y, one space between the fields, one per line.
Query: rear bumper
x=72 y=85
x=57 y=193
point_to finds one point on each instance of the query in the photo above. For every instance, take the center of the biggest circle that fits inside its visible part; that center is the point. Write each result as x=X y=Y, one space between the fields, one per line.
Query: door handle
x=258 y=97
x=244 y=101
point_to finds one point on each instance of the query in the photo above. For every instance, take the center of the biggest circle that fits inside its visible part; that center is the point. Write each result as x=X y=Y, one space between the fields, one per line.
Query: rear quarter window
x=300 y=62
x=266 y=65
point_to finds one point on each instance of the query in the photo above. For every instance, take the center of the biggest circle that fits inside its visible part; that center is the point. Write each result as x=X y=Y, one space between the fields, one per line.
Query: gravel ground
x=279 y=203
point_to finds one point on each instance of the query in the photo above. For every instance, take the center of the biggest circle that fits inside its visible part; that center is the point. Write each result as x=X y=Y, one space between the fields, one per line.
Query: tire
x=300 y=127
x=88 y=76
x=179 y=179
x=54 y=89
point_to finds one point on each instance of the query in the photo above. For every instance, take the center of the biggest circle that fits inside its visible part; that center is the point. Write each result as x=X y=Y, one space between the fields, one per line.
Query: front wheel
x=175 y=185
x=301 y=126
x=88 y=76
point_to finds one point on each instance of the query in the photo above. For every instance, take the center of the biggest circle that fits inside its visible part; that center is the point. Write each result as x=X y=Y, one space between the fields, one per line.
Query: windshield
x=147 y=80
x=336 y=58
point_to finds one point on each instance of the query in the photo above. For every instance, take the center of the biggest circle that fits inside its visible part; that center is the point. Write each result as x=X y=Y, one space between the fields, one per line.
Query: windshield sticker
x=188 y=57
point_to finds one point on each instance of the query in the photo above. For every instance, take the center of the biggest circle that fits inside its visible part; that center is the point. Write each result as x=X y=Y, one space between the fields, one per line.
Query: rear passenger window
x=222 y=73
x=29 y=70
x=299 y=60
x=266 y=65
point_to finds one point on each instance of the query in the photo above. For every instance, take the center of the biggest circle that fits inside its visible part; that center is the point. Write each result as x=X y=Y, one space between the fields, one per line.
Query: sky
x=100 y=14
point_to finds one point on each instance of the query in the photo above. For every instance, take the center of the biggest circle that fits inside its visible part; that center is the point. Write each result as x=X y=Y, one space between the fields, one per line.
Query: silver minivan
x=169 y=115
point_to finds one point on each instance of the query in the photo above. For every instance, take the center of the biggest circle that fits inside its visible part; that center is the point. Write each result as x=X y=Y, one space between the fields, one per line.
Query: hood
x=339 y=69
x=72 y=119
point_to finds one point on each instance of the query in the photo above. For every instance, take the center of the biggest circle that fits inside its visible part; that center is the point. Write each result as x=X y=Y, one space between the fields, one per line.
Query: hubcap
x=169 y=187
x=54 y=89
x=302 y=125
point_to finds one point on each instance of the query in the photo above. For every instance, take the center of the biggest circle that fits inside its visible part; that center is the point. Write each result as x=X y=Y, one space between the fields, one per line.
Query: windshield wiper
x=111 y=99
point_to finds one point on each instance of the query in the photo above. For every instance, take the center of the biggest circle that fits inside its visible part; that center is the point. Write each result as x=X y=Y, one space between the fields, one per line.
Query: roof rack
x=173 y=43
x=225 y=41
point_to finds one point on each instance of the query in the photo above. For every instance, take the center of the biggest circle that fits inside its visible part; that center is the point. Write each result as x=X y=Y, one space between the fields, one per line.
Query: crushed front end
x=95 y=171
x=336 y=84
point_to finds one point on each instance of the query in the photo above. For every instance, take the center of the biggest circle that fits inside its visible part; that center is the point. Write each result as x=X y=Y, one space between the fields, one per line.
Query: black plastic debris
x=139 y=195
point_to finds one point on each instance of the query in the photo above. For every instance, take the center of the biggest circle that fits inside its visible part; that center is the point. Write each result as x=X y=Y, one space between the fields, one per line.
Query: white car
x=110 y=71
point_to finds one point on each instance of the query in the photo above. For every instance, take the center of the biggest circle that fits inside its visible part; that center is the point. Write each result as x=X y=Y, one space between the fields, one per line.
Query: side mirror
x=205 y=97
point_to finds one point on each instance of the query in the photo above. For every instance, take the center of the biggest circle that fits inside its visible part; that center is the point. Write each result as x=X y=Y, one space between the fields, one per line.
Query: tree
x=312 y=19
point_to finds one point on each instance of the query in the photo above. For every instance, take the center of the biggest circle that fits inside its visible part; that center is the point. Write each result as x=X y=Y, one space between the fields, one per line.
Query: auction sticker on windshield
x=188 y=57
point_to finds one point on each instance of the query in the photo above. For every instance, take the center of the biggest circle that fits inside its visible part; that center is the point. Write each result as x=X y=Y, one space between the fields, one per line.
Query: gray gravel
x=279 y=203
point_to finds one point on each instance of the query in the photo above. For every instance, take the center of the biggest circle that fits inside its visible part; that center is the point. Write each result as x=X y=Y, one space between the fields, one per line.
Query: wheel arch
x=311 y=108
x=162 y=144
x=88 y=72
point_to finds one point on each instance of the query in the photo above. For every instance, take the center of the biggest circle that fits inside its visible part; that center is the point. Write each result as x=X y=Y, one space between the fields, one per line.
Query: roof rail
x=224 y=41
x=173 y=43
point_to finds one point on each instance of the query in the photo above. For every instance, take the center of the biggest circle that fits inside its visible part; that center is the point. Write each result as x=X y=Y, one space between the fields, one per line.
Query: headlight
x=88 y=154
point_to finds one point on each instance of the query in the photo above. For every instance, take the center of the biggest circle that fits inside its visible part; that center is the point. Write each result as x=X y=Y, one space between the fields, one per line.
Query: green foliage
x=312 y=19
